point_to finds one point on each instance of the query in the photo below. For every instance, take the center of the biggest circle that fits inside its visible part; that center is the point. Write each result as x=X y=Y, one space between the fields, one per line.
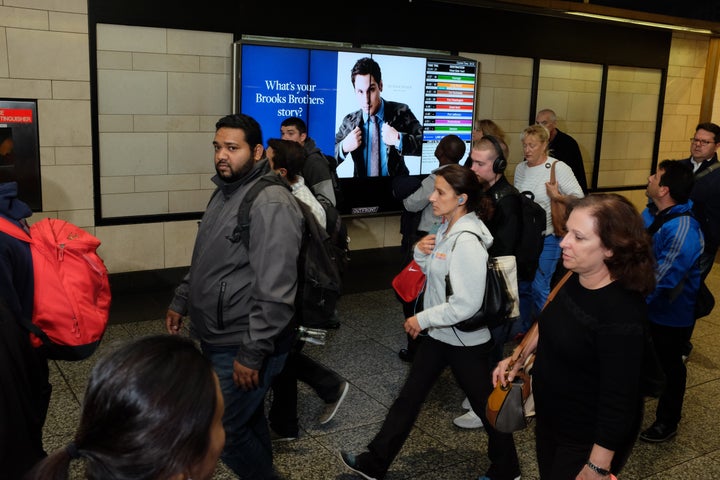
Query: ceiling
x=700 y=14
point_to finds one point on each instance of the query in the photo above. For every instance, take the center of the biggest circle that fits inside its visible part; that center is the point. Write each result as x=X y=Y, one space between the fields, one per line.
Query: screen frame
x=368 y=195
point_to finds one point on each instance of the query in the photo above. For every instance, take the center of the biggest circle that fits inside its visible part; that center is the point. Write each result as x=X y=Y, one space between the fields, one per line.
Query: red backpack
x=71 y=302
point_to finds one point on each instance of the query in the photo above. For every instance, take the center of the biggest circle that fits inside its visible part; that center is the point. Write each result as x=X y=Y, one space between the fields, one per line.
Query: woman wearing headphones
x=457 y=252
x=487 y=160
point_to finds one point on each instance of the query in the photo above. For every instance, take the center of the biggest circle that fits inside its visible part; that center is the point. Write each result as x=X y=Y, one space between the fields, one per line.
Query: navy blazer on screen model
x=400 y=117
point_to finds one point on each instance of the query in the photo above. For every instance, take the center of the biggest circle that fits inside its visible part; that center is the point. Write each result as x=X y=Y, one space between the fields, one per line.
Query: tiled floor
x=364 y=351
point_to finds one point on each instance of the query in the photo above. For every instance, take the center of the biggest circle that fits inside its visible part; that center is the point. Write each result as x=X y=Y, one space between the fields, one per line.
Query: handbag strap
x=557 y=288
x=552 y=172
x=533 y=332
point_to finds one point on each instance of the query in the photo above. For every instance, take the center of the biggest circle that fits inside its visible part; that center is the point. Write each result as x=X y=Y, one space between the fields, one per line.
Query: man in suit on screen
x=381 y=132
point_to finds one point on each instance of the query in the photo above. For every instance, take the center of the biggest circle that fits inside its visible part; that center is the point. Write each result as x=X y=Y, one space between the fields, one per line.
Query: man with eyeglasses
x=706 y=201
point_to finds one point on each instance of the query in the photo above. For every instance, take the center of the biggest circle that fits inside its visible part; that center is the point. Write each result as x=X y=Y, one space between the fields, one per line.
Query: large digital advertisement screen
x=379 y=114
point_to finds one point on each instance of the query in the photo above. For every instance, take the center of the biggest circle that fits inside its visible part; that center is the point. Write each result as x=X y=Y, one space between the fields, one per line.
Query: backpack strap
x=242 y=229
x=662 y=218
x=14 y=230
x=707 y=170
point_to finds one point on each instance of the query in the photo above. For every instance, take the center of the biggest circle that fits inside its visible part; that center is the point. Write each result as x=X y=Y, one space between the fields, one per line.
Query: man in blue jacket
x=241 y=301
x=677 y=244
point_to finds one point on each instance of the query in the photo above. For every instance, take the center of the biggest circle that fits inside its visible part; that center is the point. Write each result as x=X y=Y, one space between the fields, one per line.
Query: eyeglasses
x=702 y=142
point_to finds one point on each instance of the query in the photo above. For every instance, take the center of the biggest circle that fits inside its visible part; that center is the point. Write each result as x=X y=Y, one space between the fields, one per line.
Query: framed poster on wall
x=20 y=149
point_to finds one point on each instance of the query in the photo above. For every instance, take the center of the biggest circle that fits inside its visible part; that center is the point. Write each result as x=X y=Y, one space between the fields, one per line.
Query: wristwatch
x=598 y=470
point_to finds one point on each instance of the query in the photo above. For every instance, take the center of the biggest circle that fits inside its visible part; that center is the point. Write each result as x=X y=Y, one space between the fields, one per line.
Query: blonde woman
x=533 y=174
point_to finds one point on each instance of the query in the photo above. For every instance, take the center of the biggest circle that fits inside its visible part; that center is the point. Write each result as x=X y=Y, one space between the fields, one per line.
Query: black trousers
x=24 y=399
x=669 y=344
x=561 y=458
x=471 y=368
x=283 y=410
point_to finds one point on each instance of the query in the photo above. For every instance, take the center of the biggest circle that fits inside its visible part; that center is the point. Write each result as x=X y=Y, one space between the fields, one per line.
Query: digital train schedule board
x=420 y=99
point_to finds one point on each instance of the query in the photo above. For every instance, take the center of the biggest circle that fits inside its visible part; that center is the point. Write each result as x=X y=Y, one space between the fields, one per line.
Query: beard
x=230 y=175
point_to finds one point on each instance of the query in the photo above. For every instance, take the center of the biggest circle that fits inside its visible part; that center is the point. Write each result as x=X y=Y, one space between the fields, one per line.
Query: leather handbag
x=409 y=283
x=510 y=407
x=558 y=209
x=506 y=404
x=498 y=301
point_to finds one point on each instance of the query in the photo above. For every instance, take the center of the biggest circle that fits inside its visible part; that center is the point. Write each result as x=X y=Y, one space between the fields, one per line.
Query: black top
x=588 y=365
x=564 y=147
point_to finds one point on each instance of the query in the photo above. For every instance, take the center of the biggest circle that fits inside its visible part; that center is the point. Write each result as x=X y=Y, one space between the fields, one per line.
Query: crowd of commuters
x=628 y=273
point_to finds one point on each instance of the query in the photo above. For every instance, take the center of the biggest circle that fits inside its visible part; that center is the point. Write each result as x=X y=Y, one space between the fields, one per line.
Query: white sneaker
x=469 y=420
x=466 y=404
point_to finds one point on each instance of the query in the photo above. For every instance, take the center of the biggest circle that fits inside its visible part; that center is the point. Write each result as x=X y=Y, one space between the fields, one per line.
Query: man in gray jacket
x=241 y=302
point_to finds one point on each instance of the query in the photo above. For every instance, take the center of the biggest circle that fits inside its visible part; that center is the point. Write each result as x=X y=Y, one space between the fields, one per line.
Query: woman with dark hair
x=152 y=411
x=589 y=343
x=459 y=252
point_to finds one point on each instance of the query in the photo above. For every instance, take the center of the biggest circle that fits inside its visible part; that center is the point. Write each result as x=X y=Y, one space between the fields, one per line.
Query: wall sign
x=20 y=149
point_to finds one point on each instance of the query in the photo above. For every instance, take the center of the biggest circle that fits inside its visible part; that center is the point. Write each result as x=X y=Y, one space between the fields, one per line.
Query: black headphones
x=500 y=164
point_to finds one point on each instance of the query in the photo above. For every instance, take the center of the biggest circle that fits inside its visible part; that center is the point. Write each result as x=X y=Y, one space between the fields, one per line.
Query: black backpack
x=332 y=166
x=532 y=234
x=319 y=262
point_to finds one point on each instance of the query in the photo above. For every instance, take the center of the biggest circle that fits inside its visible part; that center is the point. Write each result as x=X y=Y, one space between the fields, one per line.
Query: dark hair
x=679 y=179
x=365 y=66
x=147 y=413
x=296 y=122
x=710 y=127
x=621 y=230
x=452 y=147
x=246 y=123
x=464 y=182
x=288 y=155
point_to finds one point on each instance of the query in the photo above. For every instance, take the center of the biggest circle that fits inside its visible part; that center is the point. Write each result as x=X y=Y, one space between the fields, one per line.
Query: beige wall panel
x=132 y=92
x=211 y=94
x=128 y=248
x=179 y=239
x=73 y=155
x=133 y=153
x=47 y=55
x=67 y=187
x=68 y=22
x=190 y=153
x=199 y=43
x=131 y=39
x=64 y=123
x=23 y=18
x=132 y=204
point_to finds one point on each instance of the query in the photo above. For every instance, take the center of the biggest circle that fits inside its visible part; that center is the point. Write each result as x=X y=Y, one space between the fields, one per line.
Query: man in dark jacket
x=25 y=392
x=563 y=147
x=241 y=301
x=390 y=126
x=706 y=201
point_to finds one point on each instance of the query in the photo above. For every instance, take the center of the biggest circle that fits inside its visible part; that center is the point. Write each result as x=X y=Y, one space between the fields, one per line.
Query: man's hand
x=352 y=141
x=390 y=136
x=244 y=377
x=173 y=322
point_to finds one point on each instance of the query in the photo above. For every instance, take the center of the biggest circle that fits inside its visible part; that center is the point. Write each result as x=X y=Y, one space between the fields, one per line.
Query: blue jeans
x=533 y=294
x=248 y=449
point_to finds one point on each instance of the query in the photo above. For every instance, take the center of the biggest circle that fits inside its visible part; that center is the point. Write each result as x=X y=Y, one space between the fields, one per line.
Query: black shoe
x=658 y=432
x=351 y=462
x=405 y=355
